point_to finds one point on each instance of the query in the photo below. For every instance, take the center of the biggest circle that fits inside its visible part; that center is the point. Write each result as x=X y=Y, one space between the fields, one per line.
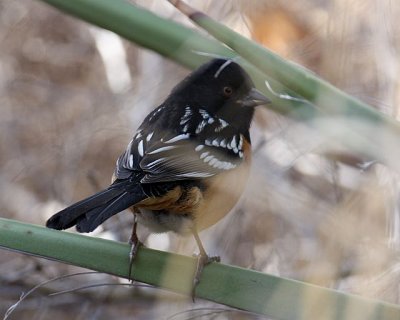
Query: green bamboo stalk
x=276 y=297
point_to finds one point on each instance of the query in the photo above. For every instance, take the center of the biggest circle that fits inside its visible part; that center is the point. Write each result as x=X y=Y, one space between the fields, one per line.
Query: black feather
x=92 y=219
x=98 y=207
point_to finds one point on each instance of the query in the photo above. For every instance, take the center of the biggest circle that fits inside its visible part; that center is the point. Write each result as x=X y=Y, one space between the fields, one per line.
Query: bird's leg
x=135 y=244
x=202 y=260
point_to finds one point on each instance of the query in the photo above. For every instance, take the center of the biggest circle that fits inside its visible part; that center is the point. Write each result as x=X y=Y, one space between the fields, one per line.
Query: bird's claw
x=202 y=261
x=132 y=254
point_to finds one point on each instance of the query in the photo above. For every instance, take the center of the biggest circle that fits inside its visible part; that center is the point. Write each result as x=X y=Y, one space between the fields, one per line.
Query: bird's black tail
x=89 y=213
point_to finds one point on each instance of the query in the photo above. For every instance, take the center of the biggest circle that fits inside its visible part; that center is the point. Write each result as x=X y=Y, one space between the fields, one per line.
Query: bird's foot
x=132 y=254
x=202 y=261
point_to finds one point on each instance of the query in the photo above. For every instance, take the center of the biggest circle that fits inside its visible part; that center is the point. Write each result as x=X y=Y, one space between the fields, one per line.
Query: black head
x=224 y=89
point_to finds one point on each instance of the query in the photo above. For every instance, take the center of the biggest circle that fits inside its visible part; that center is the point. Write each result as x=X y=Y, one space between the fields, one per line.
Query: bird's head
x=224 y=89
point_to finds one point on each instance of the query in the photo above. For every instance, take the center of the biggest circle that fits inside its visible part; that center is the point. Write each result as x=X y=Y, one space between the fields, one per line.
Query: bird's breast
x=222 y=193
x=185 y=208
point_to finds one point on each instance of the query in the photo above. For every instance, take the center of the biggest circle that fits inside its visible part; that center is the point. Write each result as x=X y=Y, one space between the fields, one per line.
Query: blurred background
x=71 y=95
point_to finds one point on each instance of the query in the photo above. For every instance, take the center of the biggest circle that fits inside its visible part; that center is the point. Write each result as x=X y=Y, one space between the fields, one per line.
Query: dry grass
x=308 y=213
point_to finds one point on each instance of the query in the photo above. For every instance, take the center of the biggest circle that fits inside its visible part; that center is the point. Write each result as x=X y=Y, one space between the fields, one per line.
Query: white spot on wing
x=195 y=174
x=201 y=126
x=213 y=161
x=204 y=114
x=162 y=149
x=225 y=165
x=208 y=158
x=131 y=160
x=140 y=148
x=223 y=123
x=203 y=155
x=149 y=136
x=223 y=143
x=230 y=166
x=233 y=144
x=186 y=117
x=218 y=164
x=177 y=138
x=153 y=163
x=240 y=142
x=199 y=147
x=215 y=143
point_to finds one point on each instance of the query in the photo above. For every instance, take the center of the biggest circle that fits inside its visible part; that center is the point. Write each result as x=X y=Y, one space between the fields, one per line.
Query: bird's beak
x=254 y=98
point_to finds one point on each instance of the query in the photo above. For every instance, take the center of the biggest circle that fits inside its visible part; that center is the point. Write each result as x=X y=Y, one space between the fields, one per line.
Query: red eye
x=228 y=91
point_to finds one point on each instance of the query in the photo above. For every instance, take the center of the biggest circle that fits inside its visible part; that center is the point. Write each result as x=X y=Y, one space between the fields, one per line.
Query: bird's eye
x=228 y=91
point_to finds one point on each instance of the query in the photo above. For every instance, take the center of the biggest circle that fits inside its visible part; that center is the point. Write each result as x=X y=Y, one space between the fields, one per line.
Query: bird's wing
x=202 y=147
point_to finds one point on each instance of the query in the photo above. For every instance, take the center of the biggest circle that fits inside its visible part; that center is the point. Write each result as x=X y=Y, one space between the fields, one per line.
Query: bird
x=186 y=165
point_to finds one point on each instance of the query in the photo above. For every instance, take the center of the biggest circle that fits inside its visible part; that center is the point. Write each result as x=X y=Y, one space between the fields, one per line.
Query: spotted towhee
x=187 y=164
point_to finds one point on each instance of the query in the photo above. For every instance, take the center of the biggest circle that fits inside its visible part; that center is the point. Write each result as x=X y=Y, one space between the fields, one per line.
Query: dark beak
x=254 y=98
